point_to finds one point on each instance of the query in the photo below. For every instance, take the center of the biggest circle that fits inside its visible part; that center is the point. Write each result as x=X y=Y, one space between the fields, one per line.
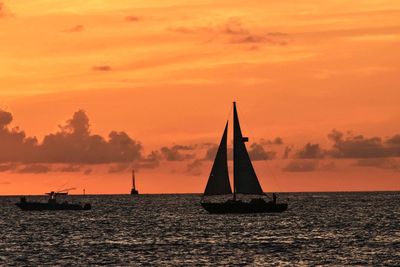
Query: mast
x=133 y=179
x=244 y=176
x=234 y=153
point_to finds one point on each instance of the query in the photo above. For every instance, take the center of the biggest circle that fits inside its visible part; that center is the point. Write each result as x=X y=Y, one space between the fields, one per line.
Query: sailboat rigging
x=245 y=180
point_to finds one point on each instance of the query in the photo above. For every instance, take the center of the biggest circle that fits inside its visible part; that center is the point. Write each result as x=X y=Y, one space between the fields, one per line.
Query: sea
x=330 y=229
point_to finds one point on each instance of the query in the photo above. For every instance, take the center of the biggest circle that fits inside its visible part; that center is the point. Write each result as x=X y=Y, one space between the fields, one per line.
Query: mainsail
x=245 y=178
x=218 y=182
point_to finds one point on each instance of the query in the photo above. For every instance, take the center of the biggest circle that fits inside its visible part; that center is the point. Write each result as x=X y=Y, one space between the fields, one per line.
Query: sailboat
x=134 y=191
x=245 y=180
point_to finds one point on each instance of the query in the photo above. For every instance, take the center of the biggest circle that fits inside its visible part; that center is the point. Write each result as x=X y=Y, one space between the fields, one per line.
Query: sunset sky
x=96 y=87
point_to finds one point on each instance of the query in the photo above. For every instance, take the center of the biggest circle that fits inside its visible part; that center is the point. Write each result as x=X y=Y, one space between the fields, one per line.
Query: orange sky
x=166 y=72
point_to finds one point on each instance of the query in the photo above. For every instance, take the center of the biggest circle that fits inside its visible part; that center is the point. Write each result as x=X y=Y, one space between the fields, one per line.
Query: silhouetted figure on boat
x=245 y=180
x=52 y=198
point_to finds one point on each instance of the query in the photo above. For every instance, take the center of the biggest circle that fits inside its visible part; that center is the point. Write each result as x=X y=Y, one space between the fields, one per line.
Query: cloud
x=257 y=152
x=276 y=141
x=358 y=146
x=71 y=168
x=121 y=167
x=15 y=146
x=34 y=168
x=73 y=143
x=8 y=167
x=211 y=152
x=381 y=163
x=194 y=168
x=5 y=118
x=233 y=31
x=75 y=29
x=394 y=140
x=132 y=18
x=348 y=145
x=151 y=161
x=174 y=153
x=310 y=151
x=102 y=68
x=272 y=38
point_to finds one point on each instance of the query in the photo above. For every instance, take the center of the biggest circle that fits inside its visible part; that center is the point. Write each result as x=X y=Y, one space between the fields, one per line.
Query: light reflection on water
x=318 y=228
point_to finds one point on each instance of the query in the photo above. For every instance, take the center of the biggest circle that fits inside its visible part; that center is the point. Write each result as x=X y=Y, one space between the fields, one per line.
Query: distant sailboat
x=133 y=190
x=245 y=180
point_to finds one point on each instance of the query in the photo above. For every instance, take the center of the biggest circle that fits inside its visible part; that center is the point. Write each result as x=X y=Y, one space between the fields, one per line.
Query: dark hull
x=54 y=206
x=244 y=207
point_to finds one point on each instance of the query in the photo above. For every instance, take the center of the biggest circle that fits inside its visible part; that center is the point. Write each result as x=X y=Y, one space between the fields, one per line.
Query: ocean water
x=164 y=230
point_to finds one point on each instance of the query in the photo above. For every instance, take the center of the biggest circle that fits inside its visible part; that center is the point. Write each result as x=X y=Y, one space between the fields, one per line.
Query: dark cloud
x=348 y=145
x=8 y=167
x=73 y=143
x=357 y=146
x=394 y=140
x=257 y=152
x=276 y=141
x=121 y=167
x=194 y=168
x=14 y=144
x=310 y=151
x=211 y=152
x=102 y=68
x=34 y=168
x=174 y=153
x=71 y=168
x=151 y=161
x=132 y=18
x=5 y=118
x=77 y=28
x=381 y=163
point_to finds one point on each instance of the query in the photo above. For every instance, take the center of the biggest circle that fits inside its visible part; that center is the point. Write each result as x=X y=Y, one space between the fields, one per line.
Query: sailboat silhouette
x=245 y=180
x=134 y=191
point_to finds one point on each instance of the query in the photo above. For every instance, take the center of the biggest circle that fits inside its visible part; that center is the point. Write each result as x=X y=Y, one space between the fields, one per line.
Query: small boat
x=51 y=204
x=134 y=191
x=245 y=181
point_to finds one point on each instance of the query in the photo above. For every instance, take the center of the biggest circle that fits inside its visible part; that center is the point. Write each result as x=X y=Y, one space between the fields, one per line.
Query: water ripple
x=318 y=229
